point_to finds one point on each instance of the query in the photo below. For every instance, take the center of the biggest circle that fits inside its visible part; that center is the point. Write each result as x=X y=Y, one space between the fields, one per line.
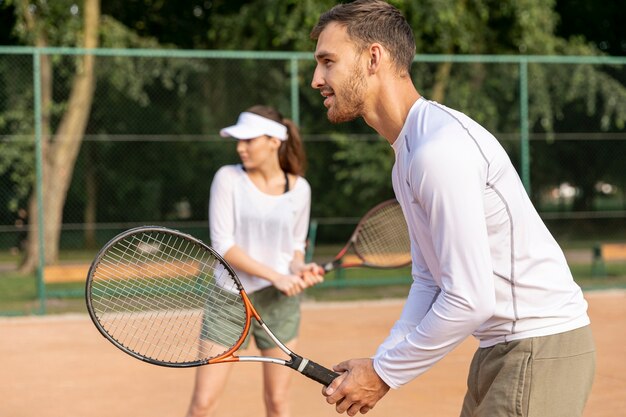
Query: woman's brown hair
x=291 y=155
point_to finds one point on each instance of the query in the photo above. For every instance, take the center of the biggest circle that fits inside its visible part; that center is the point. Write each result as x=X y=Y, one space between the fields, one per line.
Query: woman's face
x=254 y=153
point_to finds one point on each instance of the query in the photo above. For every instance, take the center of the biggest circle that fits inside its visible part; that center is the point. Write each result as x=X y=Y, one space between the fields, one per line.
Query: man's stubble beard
x=349 y=101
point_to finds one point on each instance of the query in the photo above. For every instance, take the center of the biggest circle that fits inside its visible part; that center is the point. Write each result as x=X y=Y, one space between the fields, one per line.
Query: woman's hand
x=311 y=273
x=289 y=284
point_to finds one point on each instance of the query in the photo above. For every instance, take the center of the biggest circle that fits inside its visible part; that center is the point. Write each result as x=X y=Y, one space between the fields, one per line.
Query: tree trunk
x=442 y=77
x=60 y=154
x=91 y=197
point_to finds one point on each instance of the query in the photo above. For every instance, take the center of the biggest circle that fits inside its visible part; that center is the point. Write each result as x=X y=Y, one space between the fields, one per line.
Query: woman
x=259 y=217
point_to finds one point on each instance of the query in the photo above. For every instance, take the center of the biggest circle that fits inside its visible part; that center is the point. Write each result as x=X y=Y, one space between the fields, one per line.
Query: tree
x=66 y=119
x=61 y=147
x=488 y=92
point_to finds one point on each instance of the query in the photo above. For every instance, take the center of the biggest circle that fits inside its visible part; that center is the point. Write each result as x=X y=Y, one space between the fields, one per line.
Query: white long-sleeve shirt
x=269 y=228
x=484 y=263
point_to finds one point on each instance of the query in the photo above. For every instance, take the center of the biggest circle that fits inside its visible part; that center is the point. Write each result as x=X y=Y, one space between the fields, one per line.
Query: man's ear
x=376 y=54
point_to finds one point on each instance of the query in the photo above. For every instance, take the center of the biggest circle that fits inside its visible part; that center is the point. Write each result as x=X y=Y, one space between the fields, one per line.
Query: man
x=484 y=264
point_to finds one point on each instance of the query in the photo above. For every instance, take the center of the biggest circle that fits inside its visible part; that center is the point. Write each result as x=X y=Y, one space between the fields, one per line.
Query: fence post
x=295 y=95
x=598 y=268
x=310 y=242
x=524 y=129
x=41 y=288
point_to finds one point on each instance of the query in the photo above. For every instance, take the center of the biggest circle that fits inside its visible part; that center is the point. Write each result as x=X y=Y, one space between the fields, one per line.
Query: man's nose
x=318 y=81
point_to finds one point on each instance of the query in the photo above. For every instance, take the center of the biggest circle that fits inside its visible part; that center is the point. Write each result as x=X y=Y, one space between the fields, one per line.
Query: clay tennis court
x=60 y=366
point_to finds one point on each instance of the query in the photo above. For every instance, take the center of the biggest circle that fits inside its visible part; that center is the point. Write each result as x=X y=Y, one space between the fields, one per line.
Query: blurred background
x=110 y=113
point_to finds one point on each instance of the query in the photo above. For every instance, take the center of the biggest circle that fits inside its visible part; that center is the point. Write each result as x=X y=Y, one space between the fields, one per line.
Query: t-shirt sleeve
x=222 y=210
x=301 y=226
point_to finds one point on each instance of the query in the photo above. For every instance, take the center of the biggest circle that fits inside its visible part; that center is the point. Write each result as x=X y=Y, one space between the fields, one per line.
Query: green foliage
x=16 y=119
x=59 y=20
x=175 y=97
x=128 y=77
x=359 y=166
x=19 y=170
x=267 y=25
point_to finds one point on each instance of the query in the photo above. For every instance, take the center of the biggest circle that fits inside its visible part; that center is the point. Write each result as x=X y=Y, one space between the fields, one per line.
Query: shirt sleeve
x=222 y=211
x=421 y=297
x=448 y=186
x=301 y=226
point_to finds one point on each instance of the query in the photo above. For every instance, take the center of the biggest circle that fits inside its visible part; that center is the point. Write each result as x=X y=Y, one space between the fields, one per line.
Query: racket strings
x=383 y=239
x=174 y=335
x=158 y=294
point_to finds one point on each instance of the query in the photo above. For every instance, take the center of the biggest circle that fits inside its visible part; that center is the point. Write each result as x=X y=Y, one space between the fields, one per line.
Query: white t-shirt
x=484 y=263
x=269 y=228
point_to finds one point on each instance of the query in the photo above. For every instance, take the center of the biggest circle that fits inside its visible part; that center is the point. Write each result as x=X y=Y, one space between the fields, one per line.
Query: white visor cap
x=250 y=126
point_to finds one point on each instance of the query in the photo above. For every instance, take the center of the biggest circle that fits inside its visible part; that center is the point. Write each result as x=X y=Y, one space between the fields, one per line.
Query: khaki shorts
x=280 y=313
x=549 y=376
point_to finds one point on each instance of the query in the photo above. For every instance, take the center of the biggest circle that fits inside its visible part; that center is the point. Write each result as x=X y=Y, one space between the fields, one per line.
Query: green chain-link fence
x=151 y=146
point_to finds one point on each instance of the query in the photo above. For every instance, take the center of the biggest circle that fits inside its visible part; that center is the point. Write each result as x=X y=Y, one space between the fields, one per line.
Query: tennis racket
x=380 y=240
x=166 y=298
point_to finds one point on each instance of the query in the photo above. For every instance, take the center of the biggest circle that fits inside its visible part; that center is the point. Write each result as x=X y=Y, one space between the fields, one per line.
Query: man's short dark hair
x=370 y=21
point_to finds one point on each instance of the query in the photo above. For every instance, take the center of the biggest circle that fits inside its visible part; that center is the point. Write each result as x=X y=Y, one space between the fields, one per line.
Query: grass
x=19 y=295
x=615 y=276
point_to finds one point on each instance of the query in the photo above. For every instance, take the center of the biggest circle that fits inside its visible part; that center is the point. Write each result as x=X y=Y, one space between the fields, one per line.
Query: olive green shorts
x=280 y=313
x=549 y=376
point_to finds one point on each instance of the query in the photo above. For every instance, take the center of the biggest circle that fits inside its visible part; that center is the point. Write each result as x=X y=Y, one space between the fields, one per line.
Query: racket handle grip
x=318 y=373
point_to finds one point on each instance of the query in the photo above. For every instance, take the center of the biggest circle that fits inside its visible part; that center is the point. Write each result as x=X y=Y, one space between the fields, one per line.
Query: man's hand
x=357 y=389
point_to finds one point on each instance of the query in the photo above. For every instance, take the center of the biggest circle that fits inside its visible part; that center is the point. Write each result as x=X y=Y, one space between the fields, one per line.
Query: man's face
x=339 y=75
